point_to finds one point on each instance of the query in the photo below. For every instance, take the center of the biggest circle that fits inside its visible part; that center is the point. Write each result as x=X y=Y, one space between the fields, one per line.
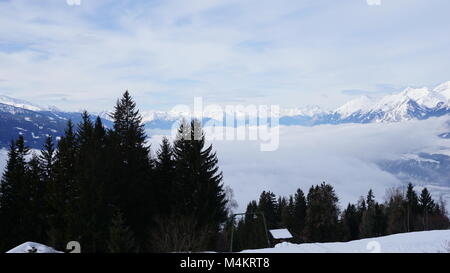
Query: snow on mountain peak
x=443 y=89
x=360 y=105
x=423 y=96
x=400 y=106
x=19 y=103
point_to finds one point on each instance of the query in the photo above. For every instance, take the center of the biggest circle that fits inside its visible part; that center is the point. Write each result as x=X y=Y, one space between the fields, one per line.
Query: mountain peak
x=443 y=89
x=361 y=104
x=20 y=103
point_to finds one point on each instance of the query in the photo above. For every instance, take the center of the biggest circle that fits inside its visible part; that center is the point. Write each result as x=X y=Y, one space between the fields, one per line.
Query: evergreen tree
x=250 y=232
x=132 y=187
x=370 y=200
x=396 y=213
x=165 y=176
x=121 y=239
x=63 y=191
x=322 y=214
x=15 y=196
x=427 y=206
x=47 y=159
x=368 y=217
x=299 y=213
x=351 y=222
x=198 y=181
x=412 y=203
x=268 y=205
x=36 y=214
x=91 y=173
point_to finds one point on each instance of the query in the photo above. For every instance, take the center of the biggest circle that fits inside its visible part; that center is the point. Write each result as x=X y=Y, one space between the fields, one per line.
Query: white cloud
x=287 y=52
x=342 y=155
x=373 y=2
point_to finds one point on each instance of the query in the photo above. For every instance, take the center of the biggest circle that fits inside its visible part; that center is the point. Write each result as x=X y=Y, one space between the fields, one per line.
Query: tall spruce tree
x=165 y=176
x=198 y=181
x=91 y=173
x=412 y=207
x=37 y=210
x=15 y=196
x=63 y=191
x=300 y=210
x=368 y=217
x=131 y=190
x=427 y=206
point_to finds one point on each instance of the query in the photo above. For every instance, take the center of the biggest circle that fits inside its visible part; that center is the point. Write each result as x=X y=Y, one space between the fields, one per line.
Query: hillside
x=436 y=241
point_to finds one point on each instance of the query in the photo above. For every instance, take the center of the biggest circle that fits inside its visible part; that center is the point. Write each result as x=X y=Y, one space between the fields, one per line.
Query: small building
x=280 y=236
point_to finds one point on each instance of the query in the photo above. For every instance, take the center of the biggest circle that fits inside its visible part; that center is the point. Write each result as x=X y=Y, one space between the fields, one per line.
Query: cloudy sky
x=291 y=53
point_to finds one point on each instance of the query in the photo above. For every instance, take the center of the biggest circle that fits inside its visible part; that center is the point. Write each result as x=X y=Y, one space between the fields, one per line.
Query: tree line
x=316 y=217
x=101 y=187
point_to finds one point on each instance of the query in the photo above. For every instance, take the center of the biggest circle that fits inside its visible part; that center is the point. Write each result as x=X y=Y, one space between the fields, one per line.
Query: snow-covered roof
x=280 y=233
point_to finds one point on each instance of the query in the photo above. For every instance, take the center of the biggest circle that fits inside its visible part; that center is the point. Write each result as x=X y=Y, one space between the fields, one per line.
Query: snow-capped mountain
x=5 y=100
x=18 y=117
x=412 y=103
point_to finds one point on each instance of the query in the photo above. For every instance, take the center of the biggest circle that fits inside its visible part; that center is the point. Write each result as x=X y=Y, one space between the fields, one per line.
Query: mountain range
x=411 y=103
x=36 y=122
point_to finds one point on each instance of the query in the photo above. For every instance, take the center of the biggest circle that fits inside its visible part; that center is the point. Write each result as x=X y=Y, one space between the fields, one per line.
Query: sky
x=165 y=52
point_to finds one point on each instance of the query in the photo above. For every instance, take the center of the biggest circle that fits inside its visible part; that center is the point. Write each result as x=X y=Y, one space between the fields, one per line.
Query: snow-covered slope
x=20 y=103
x=436 y=241
x=31 y=247
x=359 y=105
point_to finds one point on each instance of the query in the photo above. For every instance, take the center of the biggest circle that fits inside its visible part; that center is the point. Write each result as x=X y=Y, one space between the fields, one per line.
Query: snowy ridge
x=359 y=105
x=411 y=103
x=20 y=103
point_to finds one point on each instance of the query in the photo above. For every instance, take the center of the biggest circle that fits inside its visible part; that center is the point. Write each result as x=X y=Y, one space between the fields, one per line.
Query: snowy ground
x=31 y=247
x=415 y=242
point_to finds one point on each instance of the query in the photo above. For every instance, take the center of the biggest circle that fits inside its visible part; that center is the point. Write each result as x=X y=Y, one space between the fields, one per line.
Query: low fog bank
x=342 y=155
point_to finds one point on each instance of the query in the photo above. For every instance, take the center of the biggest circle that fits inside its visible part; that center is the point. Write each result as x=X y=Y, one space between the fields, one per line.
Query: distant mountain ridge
x=36 y=122
x=411 y=103
x=32 y=121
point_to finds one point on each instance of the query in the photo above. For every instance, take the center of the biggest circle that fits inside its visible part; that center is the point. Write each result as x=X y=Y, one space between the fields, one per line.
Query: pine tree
x=121 y=239
x=36 y=215
x=426 y=206
x=370 y=200
x=268 y=205
x=368 y=217
x=299 y=213
x=63 y=191
x=322 y=214
x=351 y=221
x=91 y=173
x=412 y=203
x=198 y=182
x=132 y=188
x=165 y=176
x=14 y=196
